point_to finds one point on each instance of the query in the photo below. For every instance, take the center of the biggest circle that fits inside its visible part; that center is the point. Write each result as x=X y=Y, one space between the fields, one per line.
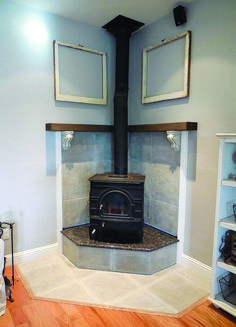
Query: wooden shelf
x=182 y=126
x=54 y=127
x=228 y=222
x=227 y=266
x=226 y=135
x=229 y=182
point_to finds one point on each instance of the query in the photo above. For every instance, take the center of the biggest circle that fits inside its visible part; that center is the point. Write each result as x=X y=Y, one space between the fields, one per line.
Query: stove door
x=116 y=204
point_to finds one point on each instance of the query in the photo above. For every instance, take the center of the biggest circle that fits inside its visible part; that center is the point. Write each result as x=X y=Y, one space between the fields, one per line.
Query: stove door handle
x=101 y=210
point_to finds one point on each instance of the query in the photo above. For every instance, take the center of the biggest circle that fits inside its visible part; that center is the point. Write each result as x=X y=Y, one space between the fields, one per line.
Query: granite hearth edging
x=157 y=252
x=153 y=239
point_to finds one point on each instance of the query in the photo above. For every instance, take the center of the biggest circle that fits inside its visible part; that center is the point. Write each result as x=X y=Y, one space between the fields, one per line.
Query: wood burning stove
x=116 y=201
x=116 y=208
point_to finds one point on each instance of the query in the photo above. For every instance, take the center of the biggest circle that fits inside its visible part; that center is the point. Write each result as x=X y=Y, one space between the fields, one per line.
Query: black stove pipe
x=122 y=28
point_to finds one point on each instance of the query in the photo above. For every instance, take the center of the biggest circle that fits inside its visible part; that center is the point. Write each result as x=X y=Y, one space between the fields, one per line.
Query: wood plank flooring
x=25 y=312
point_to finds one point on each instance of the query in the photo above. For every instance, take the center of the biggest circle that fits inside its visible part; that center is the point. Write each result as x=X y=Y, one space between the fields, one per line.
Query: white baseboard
x=196 y=265
x=24 y=256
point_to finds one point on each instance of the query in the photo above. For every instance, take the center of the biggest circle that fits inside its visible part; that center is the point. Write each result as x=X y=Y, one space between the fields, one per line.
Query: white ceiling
x=99 y=12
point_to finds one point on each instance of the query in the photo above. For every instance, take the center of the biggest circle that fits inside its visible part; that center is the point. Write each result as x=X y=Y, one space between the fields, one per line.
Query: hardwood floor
x=25 y=312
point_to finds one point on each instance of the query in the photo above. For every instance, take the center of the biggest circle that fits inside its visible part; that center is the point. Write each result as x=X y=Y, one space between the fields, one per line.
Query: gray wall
x=150 y=155
x=90 y=153
x=211 y=103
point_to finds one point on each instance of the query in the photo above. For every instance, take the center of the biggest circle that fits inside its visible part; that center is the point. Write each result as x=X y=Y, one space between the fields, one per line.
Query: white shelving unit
x=224 y=218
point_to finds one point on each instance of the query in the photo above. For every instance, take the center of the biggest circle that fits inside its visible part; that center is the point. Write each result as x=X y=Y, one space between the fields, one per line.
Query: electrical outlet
x=6 y=234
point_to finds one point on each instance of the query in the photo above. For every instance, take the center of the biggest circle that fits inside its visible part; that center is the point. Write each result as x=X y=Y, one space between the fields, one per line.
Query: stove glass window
x=115 y=203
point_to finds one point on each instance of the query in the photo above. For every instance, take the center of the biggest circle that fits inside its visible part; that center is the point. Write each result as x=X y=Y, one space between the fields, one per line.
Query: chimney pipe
x=122 y=28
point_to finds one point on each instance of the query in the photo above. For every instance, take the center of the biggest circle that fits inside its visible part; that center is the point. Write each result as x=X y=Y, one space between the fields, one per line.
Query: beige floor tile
x=178 y=293
x=170 y=290
x=108 y=286
x=194 y=277
x=144 y=301
x=73 y=292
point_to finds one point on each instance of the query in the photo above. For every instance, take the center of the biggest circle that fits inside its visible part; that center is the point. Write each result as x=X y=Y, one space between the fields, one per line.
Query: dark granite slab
x=153 y=239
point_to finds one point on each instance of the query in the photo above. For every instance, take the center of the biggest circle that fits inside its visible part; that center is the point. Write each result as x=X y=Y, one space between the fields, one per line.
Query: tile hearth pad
x=169 y=291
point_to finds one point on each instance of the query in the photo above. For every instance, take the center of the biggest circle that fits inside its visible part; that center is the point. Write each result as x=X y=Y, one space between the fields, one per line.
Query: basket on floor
x=228 y=288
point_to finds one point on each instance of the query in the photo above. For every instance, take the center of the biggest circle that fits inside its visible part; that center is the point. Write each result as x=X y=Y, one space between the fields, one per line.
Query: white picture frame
x=180 y=61
x=80 y=74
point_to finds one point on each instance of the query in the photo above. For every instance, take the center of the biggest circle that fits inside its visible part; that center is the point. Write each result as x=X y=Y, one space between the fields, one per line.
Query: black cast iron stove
x=116 y=200
x=116 y=208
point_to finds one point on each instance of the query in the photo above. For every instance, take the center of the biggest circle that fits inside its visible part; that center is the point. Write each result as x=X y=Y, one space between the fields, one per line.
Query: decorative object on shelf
x=166 y=69
x=67 y=138
x=234 y=157
x=228 y=247
x=79 y=74
x=233 y=249
x=228 y=287
x=231 y=204
x=225 y=247
x=173 y=138
x=232 y=176
x=234 y=210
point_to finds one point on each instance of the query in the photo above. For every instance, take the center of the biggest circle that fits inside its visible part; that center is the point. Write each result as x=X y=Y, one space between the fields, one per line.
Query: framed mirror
x=166 y=68
x=79 y=74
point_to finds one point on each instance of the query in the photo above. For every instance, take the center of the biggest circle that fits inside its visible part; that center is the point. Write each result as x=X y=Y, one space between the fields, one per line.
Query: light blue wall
x=211 y=103
x=28 y=182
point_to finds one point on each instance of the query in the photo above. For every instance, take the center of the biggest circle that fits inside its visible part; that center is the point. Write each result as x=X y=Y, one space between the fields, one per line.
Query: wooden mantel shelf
x=54 y=127
x=181 y=126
